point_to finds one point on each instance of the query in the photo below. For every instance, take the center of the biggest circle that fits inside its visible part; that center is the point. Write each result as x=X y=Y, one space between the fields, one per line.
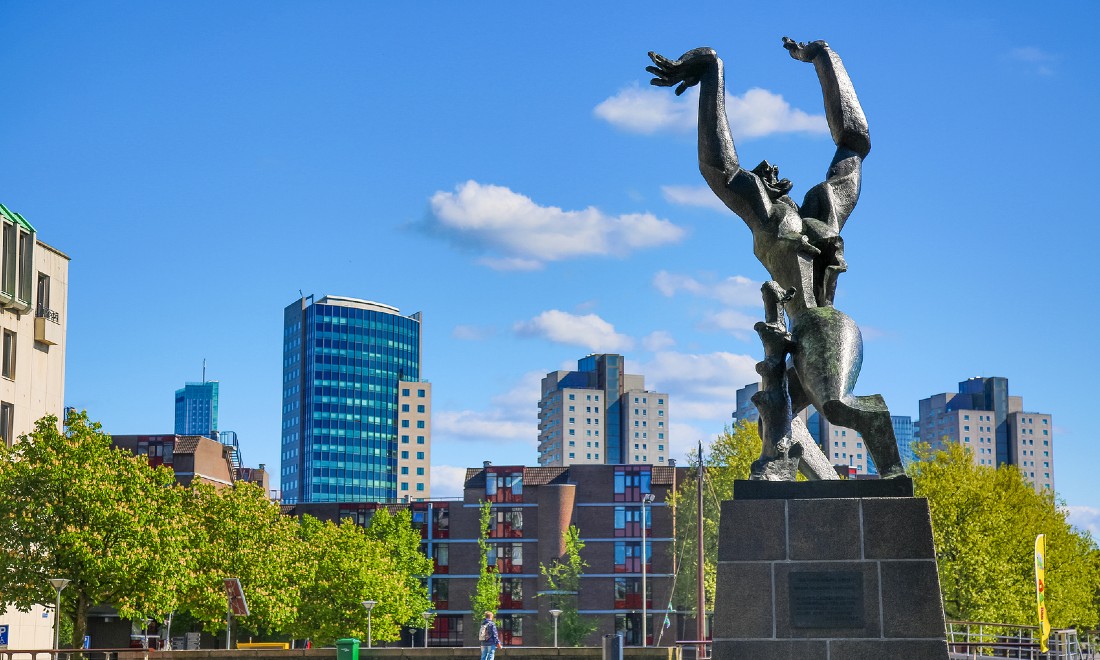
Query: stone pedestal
x=844 y=576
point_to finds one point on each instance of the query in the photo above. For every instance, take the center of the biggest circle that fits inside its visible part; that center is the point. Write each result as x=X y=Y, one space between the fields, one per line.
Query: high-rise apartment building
x=34 y=286
x=993 y=426
x=842 y=445
x=599 y=414
x=197 y=409
x=356 y=414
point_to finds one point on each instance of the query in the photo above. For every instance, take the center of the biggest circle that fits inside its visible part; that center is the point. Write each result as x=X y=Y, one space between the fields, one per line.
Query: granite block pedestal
x=827 y=571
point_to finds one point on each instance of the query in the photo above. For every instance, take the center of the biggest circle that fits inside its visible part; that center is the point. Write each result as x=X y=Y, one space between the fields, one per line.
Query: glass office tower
x=197 y=409
x=344 y=361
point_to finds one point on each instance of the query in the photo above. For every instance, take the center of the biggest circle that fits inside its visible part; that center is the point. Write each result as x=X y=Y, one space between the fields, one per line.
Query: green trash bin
x=347 y=649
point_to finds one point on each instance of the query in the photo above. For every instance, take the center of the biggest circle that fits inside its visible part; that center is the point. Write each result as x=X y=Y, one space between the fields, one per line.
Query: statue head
x=769 y=175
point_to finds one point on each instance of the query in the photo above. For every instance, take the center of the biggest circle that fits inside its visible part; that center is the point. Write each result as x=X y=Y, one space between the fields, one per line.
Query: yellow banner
x=1041 y=590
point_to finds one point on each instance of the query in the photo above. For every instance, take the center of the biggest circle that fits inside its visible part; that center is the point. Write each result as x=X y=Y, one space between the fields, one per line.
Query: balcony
x=47 y=326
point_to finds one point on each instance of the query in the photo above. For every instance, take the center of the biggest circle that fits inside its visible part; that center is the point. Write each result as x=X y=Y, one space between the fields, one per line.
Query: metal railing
x=978 y=639
x=75 y=654
x=48 y=314
x=694 y=649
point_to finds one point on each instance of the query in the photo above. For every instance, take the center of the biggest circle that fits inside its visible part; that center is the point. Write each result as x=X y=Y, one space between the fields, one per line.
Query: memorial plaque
x=826 y=599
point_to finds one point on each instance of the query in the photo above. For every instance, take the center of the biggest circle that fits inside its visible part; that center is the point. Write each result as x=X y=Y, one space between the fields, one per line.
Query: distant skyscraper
x=993 y=427
x=197 y=409
x=601 y=414
x=746 y=409
x=844 y=446
x=356 y=416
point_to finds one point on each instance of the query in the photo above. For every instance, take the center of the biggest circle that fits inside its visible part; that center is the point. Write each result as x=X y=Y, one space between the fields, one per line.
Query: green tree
x=486 y=596
x=985 y=521
x=74 y=507
x=563 y=581
x=726 y=460
x=348 y=565
x=236 y=532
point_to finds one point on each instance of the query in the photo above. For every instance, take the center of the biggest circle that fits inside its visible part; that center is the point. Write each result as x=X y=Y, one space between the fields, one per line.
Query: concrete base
x=828 y=579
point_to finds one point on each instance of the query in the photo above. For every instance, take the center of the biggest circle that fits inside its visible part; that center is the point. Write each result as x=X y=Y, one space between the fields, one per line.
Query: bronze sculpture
x=801 y=248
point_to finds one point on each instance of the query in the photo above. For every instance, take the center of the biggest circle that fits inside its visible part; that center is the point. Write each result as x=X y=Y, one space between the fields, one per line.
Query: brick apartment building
x=195 y=458
x=532 y=506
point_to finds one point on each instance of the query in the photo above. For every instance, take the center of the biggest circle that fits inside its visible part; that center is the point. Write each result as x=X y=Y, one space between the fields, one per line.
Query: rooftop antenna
x=204 y=371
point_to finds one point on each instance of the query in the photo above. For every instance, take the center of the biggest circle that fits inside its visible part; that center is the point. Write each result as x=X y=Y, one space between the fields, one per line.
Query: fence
x=977 y=639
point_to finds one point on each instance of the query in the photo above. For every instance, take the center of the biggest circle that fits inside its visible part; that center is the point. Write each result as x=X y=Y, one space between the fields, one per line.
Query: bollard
x=613 y=647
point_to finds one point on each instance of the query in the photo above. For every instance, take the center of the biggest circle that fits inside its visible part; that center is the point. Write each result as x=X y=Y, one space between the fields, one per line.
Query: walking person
x=488 y=637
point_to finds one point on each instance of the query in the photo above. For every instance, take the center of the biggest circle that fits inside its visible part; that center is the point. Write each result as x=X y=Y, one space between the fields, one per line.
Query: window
x=628 y=520
x=404 y=485
x=420 y=393
x=420 y=471
x=631 y=482
x=405 y=392
x=419 y=455
x=508 y=524
x=404 y=423
x=404 y=454
x=405 y=439
x=419 y=423
x=419 y=439
x=404 y=470
x=420 y=486
x=9 y=355
x=628 y=593
x=420 y=408
x=404 y=407
x=441 y=555
x=43 y=300
x=628 y=557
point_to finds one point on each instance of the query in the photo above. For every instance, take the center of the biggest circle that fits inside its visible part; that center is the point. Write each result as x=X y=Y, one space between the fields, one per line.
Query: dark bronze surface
x=801 y=248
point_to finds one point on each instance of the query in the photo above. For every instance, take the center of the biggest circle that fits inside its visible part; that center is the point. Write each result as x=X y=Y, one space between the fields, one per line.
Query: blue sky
x=506 y=169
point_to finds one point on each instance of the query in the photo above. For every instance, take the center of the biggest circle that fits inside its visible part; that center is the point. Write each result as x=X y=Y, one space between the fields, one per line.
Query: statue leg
x=869 y=416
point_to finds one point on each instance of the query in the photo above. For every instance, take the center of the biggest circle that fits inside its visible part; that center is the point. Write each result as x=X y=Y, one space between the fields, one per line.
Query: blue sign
x=3 y=637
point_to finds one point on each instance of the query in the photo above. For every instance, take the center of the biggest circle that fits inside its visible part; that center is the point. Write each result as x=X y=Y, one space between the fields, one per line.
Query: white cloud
x=735 y=290
x=472 y=332
x=519 y=234
x=756 y=113
x=700 y=386
x=658 y=340
x=512 y=416
x=589 y=331
x=731 y=321
x=448 y=481
x=1085 y=518
x=1034 y=59
x=693 y=196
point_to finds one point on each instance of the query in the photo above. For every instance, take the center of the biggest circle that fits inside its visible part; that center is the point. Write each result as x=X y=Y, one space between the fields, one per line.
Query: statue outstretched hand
x=804 y=52
x=684 y=72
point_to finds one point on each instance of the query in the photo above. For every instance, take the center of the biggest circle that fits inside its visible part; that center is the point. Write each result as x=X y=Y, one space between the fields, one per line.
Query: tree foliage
x=726 y=460
x=347 y=565
x=563 y=579
x=238 y=532
x=985 y=521
x=73 y=507
x=486 y=596
x=127 y=535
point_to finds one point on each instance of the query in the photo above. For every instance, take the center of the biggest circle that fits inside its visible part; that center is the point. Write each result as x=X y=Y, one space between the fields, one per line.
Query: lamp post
x=369 y=604
x=555 y=613
x=646 y=499
x=427 y=616
x=59 y=585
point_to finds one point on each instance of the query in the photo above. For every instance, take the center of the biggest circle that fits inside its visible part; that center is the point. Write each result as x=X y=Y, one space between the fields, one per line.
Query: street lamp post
x=369 y=604
x=646 y=499
x=427 y=616
x=59 y=585
x=555 y=613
